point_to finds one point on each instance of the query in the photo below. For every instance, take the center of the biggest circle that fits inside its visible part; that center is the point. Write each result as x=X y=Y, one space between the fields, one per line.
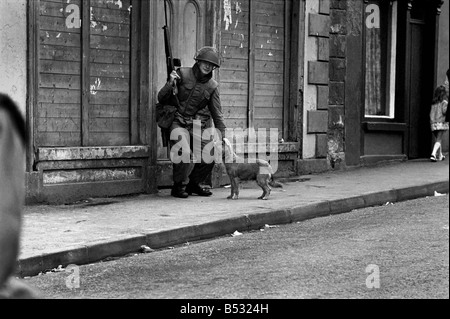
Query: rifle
x=166 y=113
x=171 y=62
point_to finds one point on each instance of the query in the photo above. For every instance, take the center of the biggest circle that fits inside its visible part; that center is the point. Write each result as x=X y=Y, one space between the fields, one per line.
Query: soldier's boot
x=178 y=191
x=196 y=189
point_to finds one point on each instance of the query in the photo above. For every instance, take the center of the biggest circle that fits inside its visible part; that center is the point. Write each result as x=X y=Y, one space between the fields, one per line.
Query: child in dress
x=438 y=123
x=446 y=83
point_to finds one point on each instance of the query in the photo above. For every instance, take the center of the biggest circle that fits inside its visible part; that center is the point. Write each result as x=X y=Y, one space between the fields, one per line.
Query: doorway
x=421 y=80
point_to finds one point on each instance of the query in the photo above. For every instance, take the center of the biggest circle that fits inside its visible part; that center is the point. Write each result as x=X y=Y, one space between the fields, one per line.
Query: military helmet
x=208 y=54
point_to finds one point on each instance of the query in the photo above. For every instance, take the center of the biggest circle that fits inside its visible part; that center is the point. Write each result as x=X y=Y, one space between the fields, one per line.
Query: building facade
x=345 y=83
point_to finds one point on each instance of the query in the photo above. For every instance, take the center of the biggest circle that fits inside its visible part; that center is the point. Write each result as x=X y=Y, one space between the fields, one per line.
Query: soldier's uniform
x=198 y=98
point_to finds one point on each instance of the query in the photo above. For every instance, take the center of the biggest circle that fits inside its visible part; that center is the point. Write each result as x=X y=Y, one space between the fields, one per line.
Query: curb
x=32 y=266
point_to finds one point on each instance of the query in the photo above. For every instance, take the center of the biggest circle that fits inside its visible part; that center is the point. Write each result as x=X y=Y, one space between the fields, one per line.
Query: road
x=394 y=251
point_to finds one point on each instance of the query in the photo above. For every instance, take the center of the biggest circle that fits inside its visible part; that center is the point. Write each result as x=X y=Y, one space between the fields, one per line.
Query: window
x=380 y=58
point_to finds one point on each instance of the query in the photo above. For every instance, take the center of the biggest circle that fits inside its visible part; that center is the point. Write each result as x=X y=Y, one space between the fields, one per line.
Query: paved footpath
x=95 y=229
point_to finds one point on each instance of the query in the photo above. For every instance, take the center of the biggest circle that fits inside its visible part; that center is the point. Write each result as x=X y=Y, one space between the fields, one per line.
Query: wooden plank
x=286 y=68
x=54 y=9
x=59 y=96
x=269 y=113
x=110 y=70
x=60 y=81
x=269 y=66
x=59 y=110
x=67 y=39
x=109 y=125
x=269 y=78
x=270 y=101
x=114 y=5
x=269 y=124
x=235 y=53
x=236 y=34
x=33 y=26
x=60 y=67
x=239 y=25
x=235 y=76
x=231 y=104
x=268 y=43
x=269 y=89
x=233 y=101
x=51 y=124
x=271 y=32
x=110 y=57
x=269 y=55
x=109 y=29
x=58 y=139
x=110 y=98
x=145 y=113
x=56 y=24
x=110 y=111
x=237 y=43
x=266 y=7
x=240 y=122
x=110 y=138
x=234 y=64
x=295 y=116
x=251 y=65
x=232 y=88
x=135 y=70
x=63 y=1
x=110 y=43
x=100 y=84
x=274 y=21
x=103 y=15
x=85 y=73
x=60 y=53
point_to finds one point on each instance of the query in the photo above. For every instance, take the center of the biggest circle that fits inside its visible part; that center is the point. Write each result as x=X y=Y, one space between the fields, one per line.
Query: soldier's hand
x=174 y=77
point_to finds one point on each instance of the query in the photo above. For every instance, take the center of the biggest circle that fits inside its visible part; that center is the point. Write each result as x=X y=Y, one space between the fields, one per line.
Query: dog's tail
x=275 y=184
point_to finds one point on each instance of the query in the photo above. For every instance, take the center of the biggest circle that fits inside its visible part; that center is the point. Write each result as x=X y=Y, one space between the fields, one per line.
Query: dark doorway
x=421 y=81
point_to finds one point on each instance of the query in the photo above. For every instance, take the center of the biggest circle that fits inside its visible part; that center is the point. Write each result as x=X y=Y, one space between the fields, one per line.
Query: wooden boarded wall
x=109 y=111
x=59 y=95
x=234 y=72
x=253 y=76
x=269 y=33
x=84 y=74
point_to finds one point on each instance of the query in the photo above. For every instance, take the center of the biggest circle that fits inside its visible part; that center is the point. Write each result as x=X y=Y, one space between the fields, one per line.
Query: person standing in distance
x=438 y=122
x=446 y=83
x=13 y=139
x=195 y=94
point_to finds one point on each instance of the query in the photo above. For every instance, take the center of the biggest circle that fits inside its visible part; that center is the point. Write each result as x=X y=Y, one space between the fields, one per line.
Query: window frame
x=389 y=58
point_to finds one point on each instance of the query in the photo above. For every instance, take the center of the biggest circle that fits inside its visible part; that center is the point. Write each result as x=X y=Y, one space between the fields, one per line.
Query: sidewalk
x=98 y=228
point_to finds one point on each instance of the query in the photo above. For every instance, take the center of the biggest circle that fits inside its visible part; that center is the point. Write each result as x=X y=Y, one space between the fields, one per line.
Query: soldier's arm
x=215 y=107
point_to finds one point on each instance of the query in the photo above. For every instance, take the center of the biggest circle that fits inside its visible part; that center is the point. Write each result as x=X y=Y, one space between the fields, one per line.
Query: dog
x=261 y=171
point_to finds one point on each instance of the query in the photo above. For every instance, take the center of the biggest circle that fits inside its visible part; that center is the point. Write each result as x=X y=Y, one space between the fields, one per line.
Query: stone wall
x=337 y=74
x=324 y=87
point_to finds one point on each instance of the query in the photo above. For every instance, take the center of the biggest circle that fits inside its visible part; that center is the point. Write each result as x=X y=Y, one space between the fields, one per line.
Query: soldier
x=12 y=181
x=195 y=95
